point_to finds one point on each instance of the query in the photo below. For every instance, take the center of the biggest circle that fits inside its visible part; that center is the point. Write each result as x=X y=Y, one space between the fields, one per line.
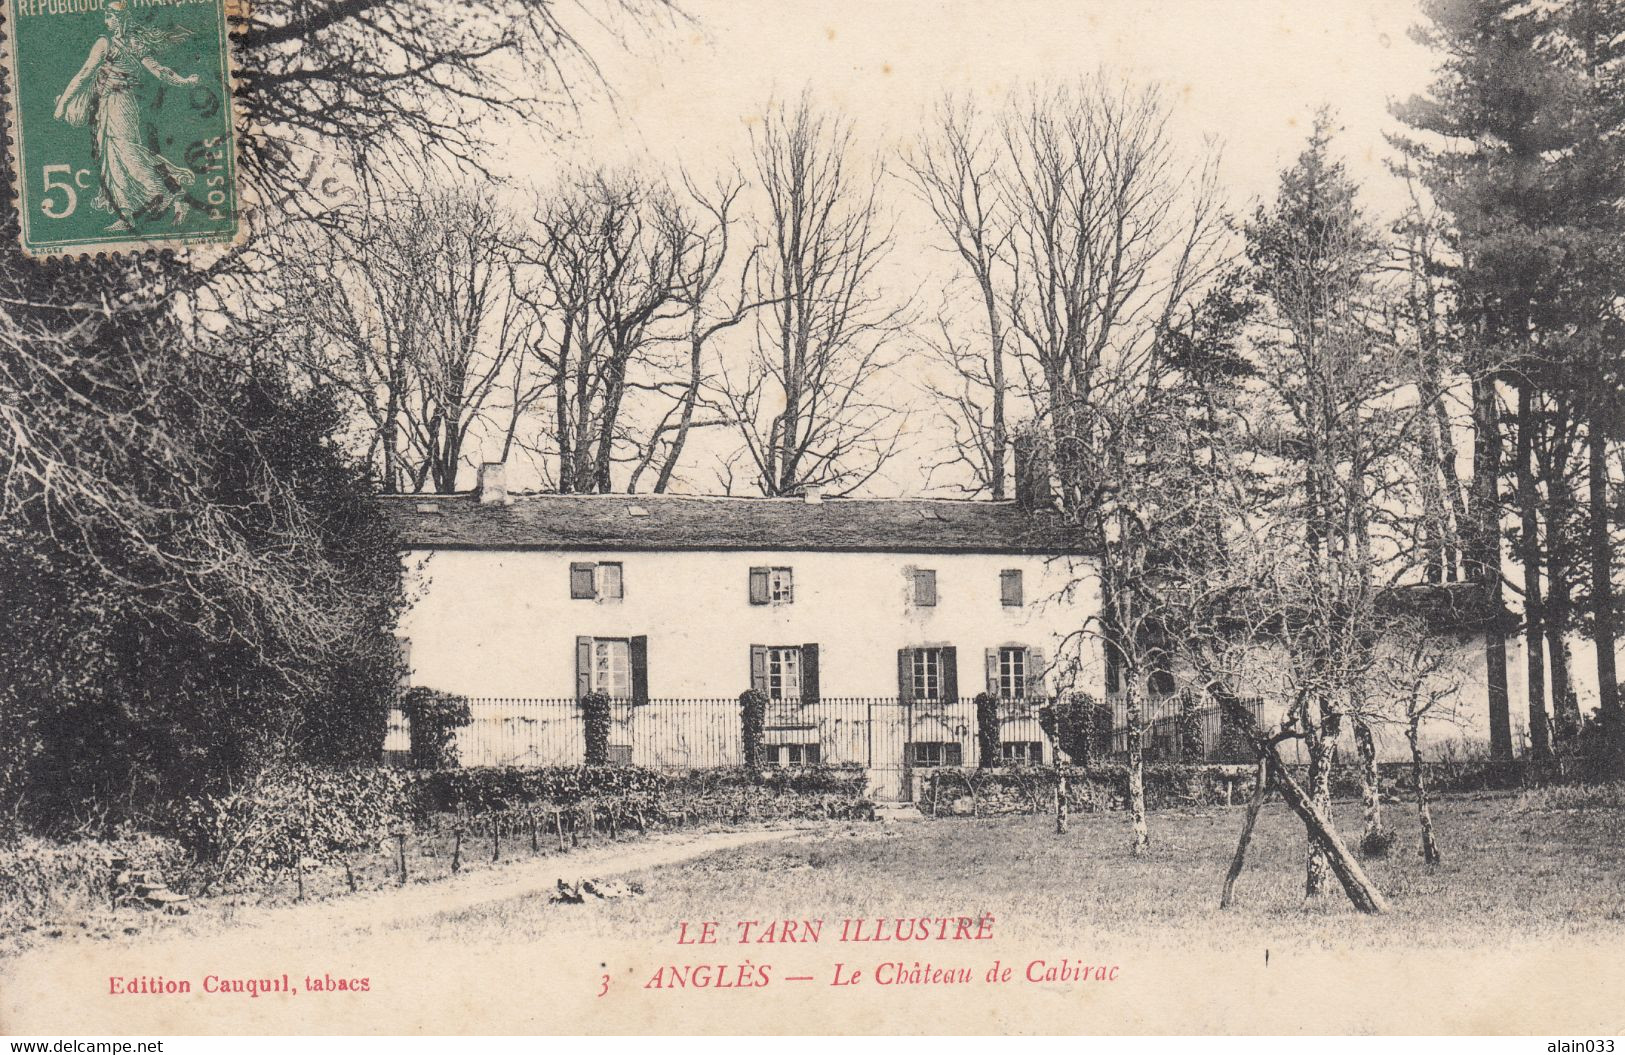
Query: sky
x=1248 y=72
x=1247 y=75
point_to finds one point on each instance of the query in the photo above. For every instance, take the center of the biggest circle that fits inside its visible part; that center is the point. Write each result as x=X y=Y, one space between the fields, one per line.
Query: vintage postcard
x=120 y=117
x=844 y=518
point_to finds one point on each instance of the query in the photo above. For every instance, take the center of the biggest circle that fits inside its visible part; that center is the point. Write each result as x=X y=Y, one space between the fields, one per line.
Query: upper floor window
x=601 y=581
x=1013 y=673
x=924 y=587
x=1010 y=593
x=771 y=586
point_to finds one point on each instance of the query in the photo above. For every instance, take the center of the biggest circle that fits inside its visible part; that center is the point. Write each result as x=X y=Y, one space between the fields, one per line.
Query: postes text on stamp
x=121 y=124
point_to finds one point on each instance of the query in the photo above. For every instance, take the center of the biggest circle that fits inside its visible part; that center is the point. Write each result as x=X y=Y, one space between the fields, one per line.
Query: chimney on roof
x=1033 y=491
x=812 y=494
x=493 y=487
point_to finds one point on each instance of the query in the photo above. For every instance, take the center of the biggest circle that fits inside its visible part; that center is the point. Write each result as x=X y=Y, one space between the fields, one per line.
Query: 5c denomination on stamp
x=121 y=124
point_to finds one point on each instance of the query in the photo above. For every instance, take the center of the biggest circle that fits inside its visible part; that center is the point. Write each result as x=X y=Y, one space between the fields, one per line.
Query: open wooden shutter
x=758 y=586
x=581 y=582
x=992 y=672
x=1010 y=587
x=639 y=648
x=583 y=666
x=1035 y=672
x=809 y=673
x=758 y=667
x=905 y=675
x=950 y=673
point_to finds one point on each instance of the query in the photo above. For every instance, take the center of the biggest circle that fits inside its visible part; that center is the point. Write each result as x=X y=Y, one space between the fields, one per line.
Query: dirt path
x=323 y=921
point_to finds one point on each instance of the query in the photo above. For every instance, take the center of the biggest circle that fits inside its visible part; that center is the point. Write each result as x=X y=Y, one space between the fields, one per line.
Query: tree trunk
x=1261 y=788
x=1529 y=556
x=1321 y=743
x=1430 y=848
x=1136 y=774
x=1370 y=783
x=1362 y=893
x=1602 y=567
x=1060 y=799
x=1484 y=565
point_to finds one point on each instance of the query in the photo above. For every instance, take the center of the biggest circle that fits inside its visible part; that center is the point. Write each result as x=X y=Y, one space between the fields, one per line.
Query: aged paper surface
x=1000 y=931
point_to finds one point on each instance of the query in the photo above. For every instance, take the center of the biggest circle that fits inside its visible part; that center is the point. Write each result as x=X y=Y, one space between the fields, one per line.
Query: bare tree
x=700 y=239
x=1422 y=673
x=955 y=170
x=807 y=400
x=609 y=262
x=420 y=312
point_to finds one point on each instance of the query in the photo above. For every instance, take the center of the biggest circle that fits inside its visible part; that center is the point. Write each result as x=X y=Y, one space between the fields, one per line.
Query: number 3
x=64 y=185
x=605 y=989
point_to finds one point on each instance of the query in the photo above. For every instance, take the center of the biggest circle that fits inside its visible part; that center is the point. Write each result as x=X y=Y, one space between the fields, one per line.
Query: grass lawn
x=1510 y=870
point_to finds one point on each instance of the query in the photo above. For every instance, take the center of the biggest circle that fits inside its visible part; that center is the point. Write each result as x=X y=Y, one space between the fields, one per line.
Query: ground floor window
x=612 y=667
x=784 y=673
x=620 y=754
x=929 y=753
x=928 y=674
x=790 y=755
x=1013 y=673
x=1020 y=752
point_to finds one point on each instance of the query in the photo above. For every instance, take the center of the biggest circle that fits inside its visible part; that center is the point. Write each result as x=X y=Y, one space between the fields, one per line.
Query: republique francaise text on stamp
x=121 y=124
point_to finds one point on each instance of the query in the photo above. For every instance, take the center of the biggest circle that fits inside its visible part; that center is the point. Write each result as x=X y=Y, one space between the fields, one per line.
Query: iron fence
x=882 y=734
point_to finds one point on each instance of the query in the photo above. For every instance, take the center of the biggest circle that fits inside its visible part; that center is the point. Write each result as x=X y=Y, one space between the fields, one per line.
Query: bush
x=434 y=718
x=495 y=788
x=40 y=878
x=987 y=730
x=752 y=719
x=595 y=722
x=287 y=812
x=1189 y=729
x=1080 y=725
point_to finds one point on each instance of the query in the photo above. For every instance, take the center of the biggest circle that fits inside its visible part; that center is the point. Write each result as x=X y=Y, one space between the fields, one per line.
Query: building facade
x=674 y=605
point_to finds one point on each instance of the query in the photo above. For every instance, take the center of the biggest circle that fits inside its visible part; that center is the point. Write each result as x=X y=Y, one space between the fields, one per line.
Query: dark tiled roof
x=653 y=522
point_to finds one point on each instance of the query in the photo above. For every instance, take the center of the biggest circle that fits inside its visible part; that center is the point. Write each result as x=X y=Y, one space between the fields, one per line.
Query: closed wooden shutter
x=1010 y=587
x=583 y=666
x=758 y=667
x=992 y=672
x=758 y=585
x=950 y=673
x=581 y=582
x=809 y=674
x=905 y=674
x=1035 y=672
x=925 y=587
x=639 y=649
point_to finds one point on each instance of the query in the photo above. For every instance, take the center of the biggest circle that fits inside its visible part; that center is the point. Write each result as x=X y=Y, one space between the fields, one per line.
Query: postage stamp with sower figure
x=121 y=124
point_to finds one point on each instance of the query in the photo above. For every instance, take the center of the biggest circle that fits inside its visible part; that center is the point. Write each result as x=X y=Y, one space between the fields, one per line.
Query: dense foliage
x=434 y=718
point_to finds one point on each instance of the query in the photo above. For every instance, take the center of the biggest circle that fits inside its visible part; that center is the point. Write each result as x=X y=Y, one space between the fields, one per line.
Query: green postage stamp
x=121 y=124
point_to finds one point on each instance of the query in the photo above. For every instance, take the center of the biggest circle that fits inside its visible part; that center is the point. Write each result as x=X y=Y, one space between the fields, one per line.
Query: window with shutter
x=926 y=674
x=583 y=582
x=780 y=587
x=1010 y=594
x=610 y=582
x=784 y=672
x=1013 y=673
x=925 y=587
